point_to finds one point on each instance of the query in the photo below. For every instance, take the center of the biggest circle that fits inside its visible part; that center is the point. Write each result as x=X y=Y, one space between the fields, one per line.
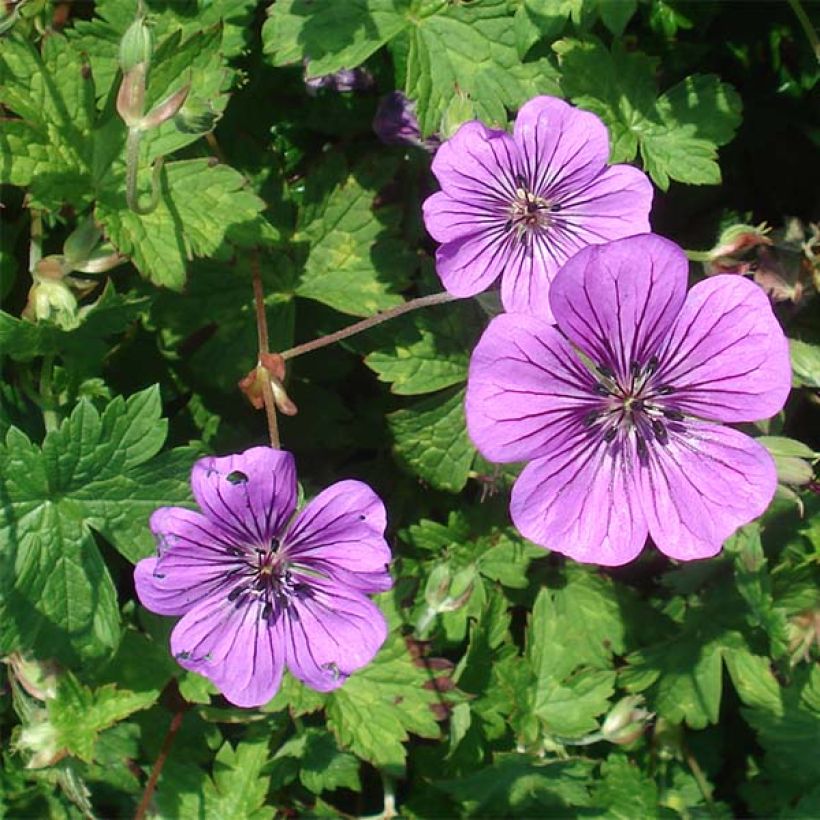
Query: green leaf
x=471 y=49
x=427 y=352
x=49 y=149
x=85 y=345
x=95 y=472
x=322 y=767
x=517 y=784
x=625 y=791
x=430 y=439
x=678 y=133
x=805 y=363
x=238 y=787
x=79 y=714
x=331 y=36
x=377 y=708
x=199 y=205
x=356 y=260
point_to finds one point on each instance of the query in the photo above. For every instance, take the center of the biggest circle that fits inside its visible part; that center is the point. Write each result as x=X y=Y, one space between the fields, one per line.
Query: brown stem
x=366 y=324
x=264 y=347
x=176 y=722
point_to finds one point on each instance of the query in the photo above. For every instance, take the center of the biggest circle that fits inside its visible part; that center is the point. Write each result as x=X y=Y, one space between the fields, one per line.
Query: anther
x=601 y=389
x=235 y=593
x=604 y=371
x=675 y=415
x=643 y=452
x=591 y=418
x=652 y=365
x=267 y=611
x=635 y=369
x=665 y=390
x=661 y=436
x=610 y=434
x=274 y=544
x=555 y=207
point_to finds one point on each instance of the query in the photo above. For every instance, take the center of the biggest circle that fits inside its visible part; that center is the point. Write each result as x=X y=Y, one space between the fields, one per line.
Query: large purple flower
x=618 y=409
x=258 y=591
x=519 y=206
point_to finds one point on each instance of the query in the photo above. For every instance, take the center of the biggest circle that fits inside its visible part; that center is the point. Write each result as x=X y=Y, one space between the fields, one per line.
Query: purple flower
x=519 y=206
x=618 y=409
x=395 y=123
x=259 y=589
x=346 y=79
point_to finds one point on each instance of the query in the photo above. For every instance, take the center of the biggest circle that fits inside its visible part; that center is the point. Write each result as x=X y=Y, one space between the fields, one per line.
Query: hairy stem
x=264 y=347
x=156 y=771
x=808 y=28
x=366 y=324
x=700 y=779
x=50 y=417
x=132 y=166
x=35 y=246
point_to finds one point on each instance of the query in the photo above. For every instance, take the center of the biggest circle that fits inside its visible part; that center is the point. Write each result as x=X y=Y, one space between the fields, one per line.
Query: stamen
x=235 y=593
x=661 y=436
x=267 y=611
x=635 y=369
x=601 y=389
x=675 y=415
x=610 y=434
x=604 y=371
x=643 y=451
x=652 y=365
x=592 y=417
x=555 y=207
x=665 y=390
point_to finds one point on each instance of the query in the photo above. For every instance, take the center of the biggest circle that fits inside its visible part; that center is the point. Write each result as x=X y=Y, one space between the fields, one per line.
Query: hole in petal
x=236 y=477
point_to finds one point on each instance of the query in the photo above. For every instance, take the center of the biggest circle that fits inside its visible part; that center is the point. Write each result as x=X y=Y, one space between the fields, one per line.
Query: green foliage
x=430 y=439
x=678 y=133
x=98 y=472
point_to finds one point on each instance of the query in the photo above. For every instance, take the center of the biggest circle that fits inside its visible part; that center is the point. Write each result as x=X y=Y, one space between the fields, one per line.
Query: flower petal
x=449 y=219
x=234 y=646
x=341 y=533
x=702 y=485
x=613 y=205
x=479 y=165
x=727 y=356
x=525 y=383
x=580 y=500
x=470 y=265
x=250 y=495
x=330 y=633
x=617 y=301
x=562 y=147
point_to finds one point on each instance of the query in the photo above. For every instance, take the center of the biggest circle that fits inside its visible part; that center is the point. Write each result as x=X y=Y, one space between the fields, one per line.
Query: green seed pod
x=137 y=45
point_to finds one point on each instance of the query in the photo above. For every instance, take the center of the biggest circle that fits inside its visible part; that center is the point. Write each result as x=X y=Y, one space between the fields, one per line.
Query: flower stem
x=698 y=256
x=35 y=247
x=366 y=324
x=176 y=722
x=700 y=779
x=808 y=28
x=132 y=166
x=264 y=347
x=50 y=418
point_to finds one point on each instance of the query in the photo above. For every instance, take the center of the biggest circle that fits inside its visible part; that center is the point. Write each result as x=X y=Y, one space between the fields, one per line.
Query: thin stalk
x=132 y=166
x=264 y=347
x=808 y=28
x=698 y=256
x=50 y=417
x=35 y=246
x=156 y=771
x=366 y=324
x=700 y=779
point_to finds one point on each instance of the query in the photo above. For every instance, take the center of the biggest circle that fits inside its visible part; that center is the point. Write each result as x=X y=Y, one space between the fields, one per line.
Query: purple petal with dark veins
x=249 y=496
x=617 y=301
x=726 y=355
x=239 y=651
x=579 y=499
x=341 y=534
x=702 y=485
x=330 y=633
x=525 y=384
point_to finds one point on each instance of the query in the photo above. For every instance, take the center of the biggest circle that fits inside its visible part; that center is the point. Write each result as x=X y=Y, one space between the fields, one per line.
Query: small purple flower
x=259 y=589
x=618 y=409
x=346 y=79
x=519 y=206
x=395 y=123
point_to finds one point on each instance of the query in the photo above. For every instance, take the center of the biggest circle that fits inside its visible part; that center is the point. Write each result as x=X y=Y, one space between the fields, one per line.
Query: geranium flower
x=519 y=206
x=258 y=591
x=618 y=409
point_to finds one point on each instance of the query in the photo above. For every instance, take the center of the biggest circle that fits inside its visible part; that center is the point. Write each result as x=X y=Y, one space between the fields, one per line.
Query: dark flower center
x=636 y=405
x=529 y=212
x=264 y=578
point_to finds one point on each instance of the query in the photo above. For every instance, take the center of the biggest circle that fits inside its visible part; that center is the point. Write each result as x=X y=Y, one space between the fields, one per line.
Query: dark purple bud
x=347 y=79
x=395 y=123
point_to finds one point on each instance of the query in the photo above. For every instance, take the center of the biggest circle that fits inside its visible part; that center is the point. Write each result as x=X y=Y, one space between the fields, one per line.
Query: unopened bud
x=626 y=721
x=51 y=268
x=459 y=110
x=446 y=592
x=41 y=740
x=131 y=96
x=101 y=260
x=136 y=46
x=165 y=110
x=735 y=249
x=52 y=301
x=196 y=116
x=38 y=678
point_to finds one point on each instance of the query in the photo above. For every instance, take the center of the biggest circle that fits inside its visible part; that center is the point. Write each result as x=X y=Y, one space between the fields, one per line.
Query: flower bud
x=395 y=123
x=346 y=79
x=38 y=678
x=165 y=110
x=131 y=96
x=136 y=46
x=735 y=249
x=446 y=592
x=41 y=739
x=196 y=116
x=52 y=300
x=626 y=721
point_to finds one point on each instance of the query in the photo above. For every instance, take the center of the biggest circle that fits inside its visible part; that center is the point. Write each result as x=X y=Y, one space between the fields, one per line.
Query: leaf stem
x=366 y=324
x=808 y=28
x=264 y=347
x=132 y=166
x=176 y=723
x=700 y=779
x=35 y=247
x=50 y=418
x=698 y=256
